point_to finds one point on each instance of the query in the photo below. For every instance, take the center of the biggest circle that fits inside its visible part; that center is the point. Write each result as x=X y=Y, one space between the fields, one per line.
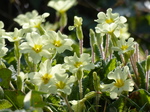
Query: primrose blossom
x=120 y=83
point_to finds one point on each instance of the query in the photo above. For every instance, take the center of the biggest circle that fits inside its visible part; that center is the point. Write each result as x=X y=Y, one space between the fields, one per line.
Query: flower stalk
x=79 y=75
x=96 y=81
x=147 y=71
x=106 y=46
x=17 y=55
x=64 y=96
x=92 y=43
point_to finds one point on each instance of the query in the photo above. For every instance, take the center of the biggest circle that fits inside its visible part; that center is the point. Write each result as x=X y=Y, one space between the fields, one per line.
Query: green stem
x=107 y=46
x=101 y=50
x=93 y=54
x=133 y=81
x=80 y=88
x=17 y=55
x=11 y=85
x=81 y=46
x=35 y=67
x=122 y=59
x=97 y=101
x=67 y=102
x=114 y=40
x=133 y=63
x=147 y=79
x=40 y=28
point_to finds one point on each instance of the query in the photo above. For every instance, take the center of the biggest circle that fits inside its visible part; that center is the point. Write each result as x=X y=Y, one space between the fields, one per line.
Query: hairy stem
x=67 y=102
x=147 y=79
x=81 y=46
x=80 y=88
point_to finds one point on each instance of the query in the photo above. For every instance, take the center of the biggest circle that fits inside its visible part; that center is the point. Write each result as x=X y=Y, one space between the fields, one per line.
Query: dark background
x=136 y=11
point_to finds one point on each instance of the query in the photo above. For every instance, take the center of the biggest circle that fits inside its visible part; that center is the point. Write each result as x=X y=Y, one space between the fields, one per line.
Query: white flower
x=124 y=32
x=31 y=19
x=124 y=46
x=14 y=36
x=61 y=5
x=110 y=17
x=3 y=50
x=36 y=46
x=59 y=41
x=45 y=77
x=108 y=29
x=63 y=83
x=109 y=22
x=73 y=63
x=2 y=32
x=120 y=83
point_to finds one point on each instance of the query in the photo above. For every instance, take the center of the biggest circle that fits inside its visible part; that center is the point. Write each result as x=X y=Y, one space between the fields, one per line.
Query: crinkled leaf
x=148 y=63
x=110 y=66
x=15 y=97
x=33 y=98
x=141 y=74
x=118 y=105
x=96 y=51
x=4 y=104
x=5 y=77
x=142 y=98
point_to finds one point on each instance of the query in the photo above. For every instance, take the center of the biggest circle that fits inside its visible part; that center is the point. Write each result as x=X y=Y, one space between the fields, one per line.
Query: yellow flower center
x=57 y=43
x=124 y=47
x=46 y=77
x=60 y=85
x=78 y=64
x=37 y=48
x=37 y=25
x=109 y=21
x=14 y=38
x=119 y=83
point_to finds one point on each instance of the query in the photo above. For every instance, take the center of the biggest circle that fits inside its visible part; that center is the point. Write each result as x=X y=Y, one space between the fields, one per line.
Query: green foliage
x=110 y=66
x=33 y=99
x=144 y=96
x=15 y=97
x=5 y=77
x=4 y=104
x=141 y=74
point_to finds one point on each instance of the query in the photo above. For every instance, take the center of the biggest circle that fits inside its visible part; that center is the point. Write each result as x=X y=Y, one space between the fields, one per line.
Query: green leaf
x=15 y=97
x=142 y=98
x=148 y=63
x=141 y=74
x=118 y=105
x=110 y=66
x=117 y=55
x=131 y=102
x=4 y=104
x=5 y=77
x=97 y=52
x=33 y=98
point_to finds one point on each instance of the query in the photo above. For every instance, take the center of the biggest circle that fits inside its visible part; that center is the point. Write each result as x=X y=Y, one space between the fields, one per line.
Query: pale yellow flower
x=120 y=83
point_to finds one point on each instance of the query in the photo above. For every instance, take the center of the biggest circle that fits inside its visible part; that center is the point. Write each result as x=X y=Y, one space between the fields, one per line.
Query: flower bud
x=92 y=37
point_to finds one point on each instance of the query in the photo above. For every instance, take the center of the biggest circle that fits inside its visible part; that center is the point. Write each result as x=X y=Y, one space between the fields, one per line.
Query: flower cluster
x=3 y=49
x=110 y=23
x=51 y=65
